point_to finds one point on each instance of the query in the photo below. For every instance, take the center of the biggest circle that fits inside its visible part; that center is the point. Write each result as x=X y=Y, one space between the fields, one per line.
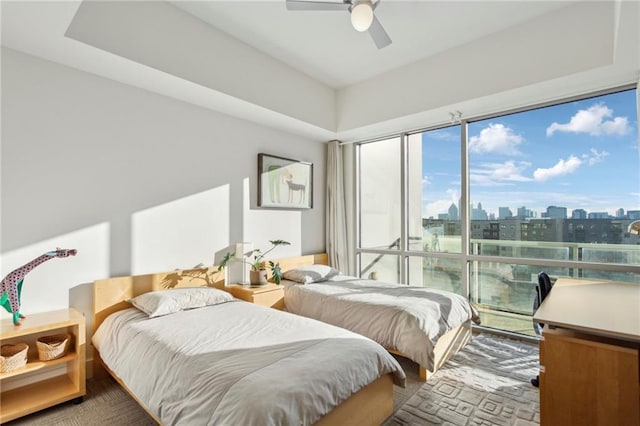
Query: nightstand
x=42 y=393
x=270 y=294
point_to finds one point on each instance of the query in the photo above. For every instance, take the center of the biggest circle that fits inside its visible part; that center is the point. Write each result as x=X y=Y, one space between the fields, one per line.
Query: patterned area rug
x=487 y=383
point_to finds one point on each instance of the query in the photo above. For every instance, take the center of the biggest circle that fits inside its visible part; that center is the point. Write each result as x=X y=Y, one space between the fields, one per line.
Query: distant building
x=541 y=230
x=504 y=212
x=524 y=213
x=603 y=231
x=444 y=226
x=554 y=212
x=579 y=214
x=491 y=232
x=598 y=215
x=479 y=213
x=633 y=214
x=453 y=212
x=620 y=213
x=485 y=230
x=597 y=231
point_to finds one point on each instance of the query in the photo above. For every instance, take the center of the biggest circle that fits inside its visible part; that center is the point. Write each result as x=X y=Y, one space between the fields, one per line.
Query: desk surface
x=605 y=308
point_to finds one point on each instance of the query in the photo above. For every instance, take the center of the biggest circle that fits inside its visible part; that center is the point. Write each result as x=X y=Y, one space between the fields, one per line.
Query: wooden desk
x=589 y=353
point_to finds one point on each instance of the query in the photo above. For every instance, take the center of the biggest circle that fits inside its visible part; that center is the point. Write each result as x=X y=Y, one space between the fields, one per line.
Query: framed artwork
x=284 y=183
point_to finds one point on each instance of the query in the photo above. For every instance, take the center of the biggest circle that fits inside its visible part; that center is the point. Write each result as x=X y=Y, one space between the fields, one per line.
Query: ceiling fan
x=362 y=16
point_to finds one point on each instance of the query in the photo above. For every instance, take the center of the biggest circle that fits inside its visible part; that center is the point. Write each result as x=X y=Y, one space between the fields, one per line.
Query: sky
x=579 y=155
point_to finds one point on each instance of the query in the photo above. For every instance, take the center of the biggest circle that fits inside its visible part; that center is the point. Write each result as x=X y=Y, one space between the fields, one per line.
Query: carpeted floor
x=487 y=383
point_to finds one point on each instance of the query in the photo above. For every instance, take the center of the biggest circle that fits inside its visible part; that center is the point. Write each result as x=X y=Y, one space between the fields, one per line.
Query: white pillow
x=164 y=302
x=310 y=274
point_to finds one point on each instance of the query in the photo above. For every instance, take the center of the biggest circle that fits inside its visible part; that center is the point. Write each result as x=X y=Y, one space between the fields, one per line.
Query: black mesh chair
x=542 y=289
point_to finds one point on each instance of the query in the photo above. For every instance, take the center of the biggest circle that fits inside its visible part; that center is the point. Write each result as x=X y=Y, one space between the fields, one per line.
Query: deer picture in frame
x=278 y=176
x=294 y=187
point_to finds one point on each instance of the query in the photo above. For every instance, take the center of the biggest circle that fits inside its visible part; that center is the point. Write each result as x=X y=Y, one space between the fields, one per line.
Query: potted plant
x=258 y=273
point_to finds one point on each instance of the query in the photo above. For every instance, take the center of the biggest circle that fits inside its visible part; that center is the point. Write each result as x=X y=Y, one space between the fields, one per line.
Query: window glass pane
x=630 y=277
x=504 y=292
x=443 y=274
x=434 y=159
x=380 y=194
x=383 y=267
x=558 y=183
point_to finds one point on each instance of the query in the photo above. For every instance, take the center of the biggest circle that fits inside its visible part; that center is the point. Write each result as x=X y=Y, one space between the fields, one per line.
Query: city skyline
x=579 y=155
x=620 y=213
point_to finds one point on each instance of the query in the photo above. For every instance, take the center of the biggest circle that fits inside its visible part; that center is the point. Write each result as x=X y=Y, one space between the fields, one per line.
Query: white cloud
x=595 y=157
x=436 y=208
x=454 y=194
x=592 y=121
x=570 y=165
x=426 y=180
x=562 y=167
x=496 y=138
x=492 y=174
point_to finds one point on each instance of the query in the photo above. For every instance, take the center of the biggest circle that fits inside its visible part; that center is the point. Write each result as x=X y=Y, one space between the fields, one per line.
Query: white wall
x=137 y=182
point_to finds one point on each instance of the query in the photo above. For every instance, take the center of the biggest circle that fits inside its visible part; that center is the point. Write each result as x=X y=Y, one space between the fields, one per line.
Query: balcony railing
x=503 y=273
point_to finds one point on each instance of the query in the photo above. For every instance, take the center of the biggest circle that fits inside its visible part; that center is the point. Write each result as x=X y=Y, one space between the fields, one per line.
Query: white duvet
x=239 y=364
x=405 y=318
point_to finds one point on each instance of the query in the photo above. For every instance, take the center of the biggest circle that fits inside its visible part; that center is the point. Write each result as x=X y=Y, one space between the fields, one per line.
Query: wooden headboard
x=295 y=262
x=110 y=295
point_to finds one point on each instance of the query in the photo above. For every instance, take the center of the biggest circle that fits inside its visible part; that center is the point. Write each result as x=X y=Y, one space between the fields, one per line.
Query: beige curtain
x=337 y=235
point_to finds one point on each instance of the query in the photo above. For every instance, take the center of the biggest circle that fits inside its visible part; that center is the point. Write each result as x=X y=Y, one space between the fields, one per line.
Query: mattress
x=405 y=318
x=238 y=363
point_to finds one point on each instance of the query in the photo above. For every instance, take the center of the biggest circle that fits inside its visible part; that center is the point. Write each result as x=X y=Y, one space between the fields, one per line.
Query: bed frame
x=369 y=406
x=447 y=346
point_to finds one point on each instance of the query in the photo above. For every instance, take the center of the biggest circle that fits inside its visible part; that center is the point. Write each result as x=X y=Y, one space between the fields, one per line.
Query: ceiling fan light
x=362 y=16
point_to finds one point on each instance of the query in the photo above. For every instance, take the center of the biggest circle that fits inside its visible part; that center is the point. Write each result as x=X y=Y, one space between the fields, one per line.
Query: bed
x=233 y=362
x=425 y=325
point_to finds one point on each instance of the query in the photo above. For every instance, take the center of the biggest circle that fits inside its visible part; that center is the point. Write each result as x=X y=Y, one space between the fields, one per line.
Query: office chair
x=542 y=289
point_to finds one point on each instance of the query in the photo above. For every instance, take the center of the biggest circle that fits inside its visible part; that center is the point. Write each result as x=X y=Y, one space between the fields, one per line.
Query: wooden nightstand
x=271 y=295
x=28 y=398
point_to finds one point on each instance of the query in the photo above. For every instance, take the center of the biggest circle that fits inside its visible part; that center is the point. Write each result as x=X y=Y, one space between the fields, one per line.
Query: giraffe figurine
x=11 y=285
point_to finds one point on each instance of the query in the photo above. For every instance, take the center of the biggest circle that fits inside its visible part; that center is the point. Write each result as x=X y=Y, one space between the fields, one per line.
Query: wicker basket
x=13 y=357
x=52 y=347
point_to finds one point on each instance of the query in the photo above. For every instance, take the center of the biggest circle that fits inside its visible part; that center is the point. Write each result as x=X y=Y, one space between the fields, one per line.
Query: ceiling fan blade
x=378 y=34
x=316 y=5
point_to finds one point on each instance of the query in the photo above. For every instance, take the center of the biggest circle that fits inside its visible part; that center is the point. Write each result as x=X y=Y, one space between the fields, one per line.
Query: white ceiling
x=324 y=45
x=311 y=74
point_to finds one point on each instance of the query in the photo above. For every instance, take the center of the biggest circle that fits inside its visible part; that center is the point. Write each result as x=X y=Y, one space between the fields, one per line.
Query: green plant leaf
x=258 y=261
x=227 y=257
x=276 y=272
